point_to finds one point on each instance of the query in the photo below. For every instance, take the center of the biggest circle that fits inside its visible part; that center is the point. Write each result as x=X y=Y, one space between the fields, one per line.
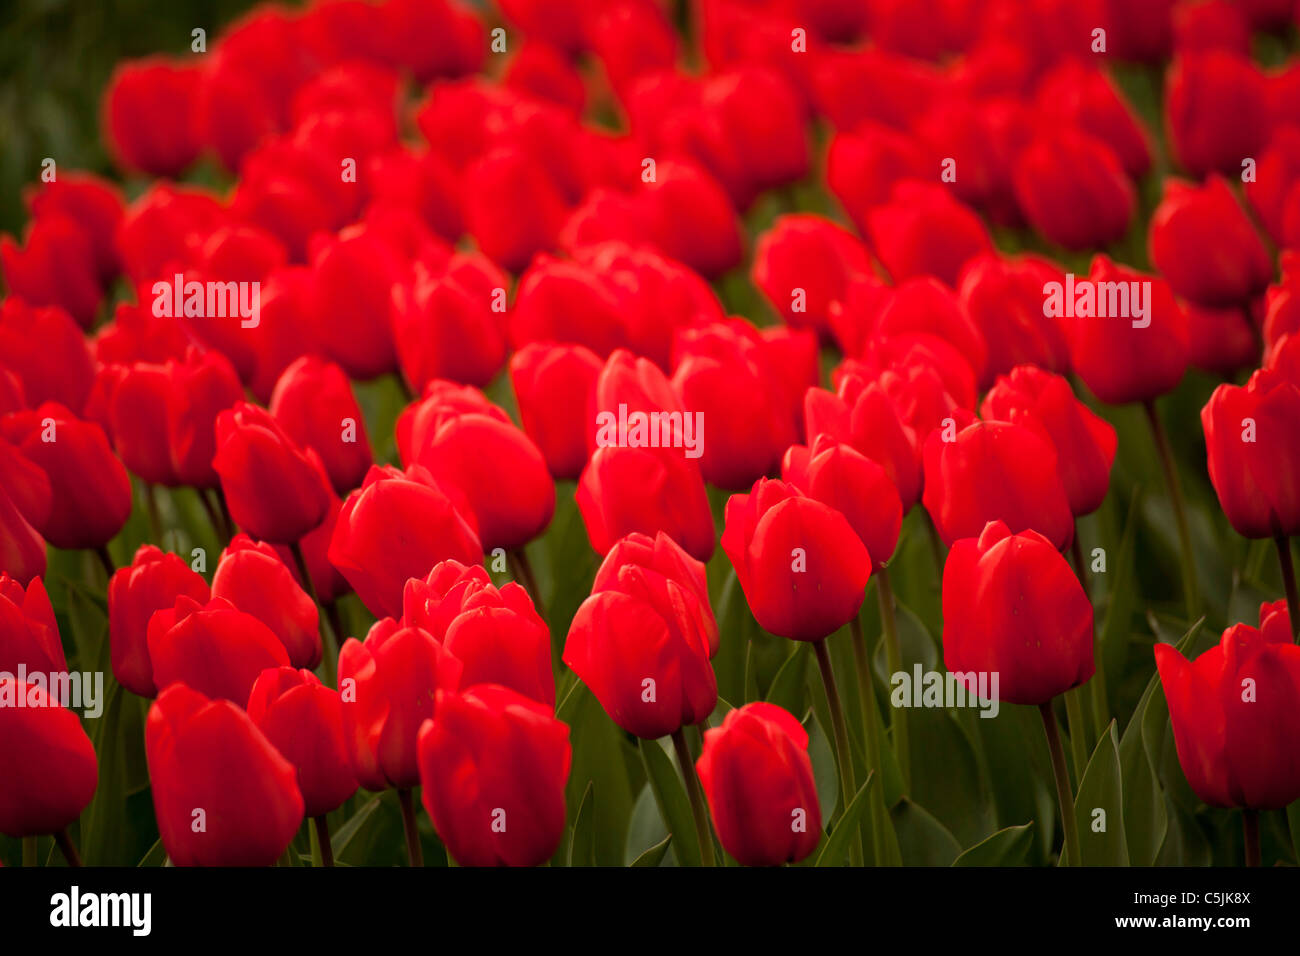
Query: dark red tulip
x=313 y=402
x=208 y=764
x=90 y=489
x=758 y=779
x=436 y=528
x=1004 y=298
x=1254 y=462
x=303 y=720
x=49 y=764
x=275 y=490
x=802 y=567
x=494 y=764
x=1233 y=710
x=213 y=647
x=924 y=231
x=1223 y=340
x=496 y=634
x=22 y=549
x=389 y=686
x=1013 y=609
x=29 y=633
x=131 y=403
x=995 y=471
x=1073 y=189
x=1085 y=97
x=1275 y=193
x=44 y=348
x=149 y=115
x=1216 y=111
x=1215 y=25
x=553 y=384
x=840 y=476
x=498 y=470
x=642 y=648
x=1202 y=241
x=252 y=576
x=1084 y=443
x=151 y=582
x=202 y=385
x=1122 y=362
x=450 y=323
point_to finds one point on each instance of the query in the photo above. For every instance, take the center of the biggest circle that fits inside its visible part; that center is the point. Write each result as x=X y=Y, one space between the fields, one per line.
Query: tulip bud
x=313 y=402
x=29 y=634
x=553 y=386
x=151 y=582
x=494 y=765
x=1012 y=607
x=253 y=577
x=758 y=779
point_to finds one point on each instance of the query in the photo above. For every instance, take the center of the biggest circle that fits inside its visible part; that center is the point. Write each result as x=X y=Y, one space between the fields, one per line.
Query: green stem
x=1078 y=733
x=413 y=851
x=1250 y=830
x=322 y=854
x=106 y=560
x=1100 y=699
x=29 y=851
x=1190 y=591
x=841 y=732
x=894 y=657
x=698 y=810
x=1288 y=581
x=530 y=581
x=1062 y=776
x=67 y=848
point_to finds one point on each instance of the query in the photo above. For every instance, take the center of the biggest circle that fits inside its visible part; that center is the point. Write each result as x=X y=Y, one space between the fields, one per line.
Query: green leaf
x=582 y=847
x=788 y=688
x=1099 y=807
x=674 y=806
x=603 y=756
x=155 y=856
x=836 y=849
x=655 y=855
x=923 y=840
x=343 y=836
x=1007 y=847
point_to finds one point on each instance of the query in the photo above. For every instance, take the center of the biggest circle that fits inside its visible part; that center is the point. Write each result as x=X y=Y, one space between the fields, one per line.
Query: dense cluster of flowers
x=543 y=202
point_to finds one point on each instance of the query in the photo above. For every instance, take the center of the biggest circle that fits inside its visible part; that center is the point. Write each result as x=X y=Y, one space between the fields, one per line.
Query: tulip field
x=650 y=433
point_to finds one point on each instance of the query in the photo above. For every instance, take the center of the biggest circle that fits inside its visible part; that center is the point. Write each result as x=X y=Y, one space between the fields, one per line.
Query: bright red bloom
x=924 y=231
x=303 y=720
x=758 y=779
x=313 y=402
x=202 y=385
x=803 y=568
x=46 y=351
x=1073 y=189
x=553 y=385
x=803 y=264
x=1216 y=109
x=56 y=265
x=207 y=755
x=252 y=577
x=29 y=633
x=494 y=765
x=1012 y=607
x=149 y=115
x=1235 y=716
x=1004 y=298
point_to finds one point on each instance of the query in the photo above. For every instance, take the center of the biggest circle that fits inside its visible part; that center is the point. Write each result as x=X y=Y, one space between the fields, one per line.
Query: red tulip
x=643 y=649
x=1085 y=97
x=864 y=163
x=803 y=264
x=449 y=323
x=1004 y=298
x=1234 y=714
x=149 y=115
x=1216 y=109
x=131 y=403
x=1120 y=361
x=47 y=762
x=802 y=567
x=208 y=765
x=94 y=204
x=553 y=386
x=1072 y=189
x=22 y=549
x=55 y=266
x=303 y=720
x=213 y=647
x=389 y=687
x=90 y=490
x=691 y=219
x=378 y=564
x=758 y=779
x=275 y=490
x=352 y=279
x=1253 y=458
x=45 y=349
x=1202 y=242
x=495 y=466
x=314 y=404
x=1274 y=194
x=840 y=476
x=512 y=207
x=995 y=471
x=1084 y=443
x=253 y=577
x=201 y=386
x=496 y=634
x=494 y=765
x=923 y=230
x=29 y=634
x=151 y=582
x=1013 y=608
